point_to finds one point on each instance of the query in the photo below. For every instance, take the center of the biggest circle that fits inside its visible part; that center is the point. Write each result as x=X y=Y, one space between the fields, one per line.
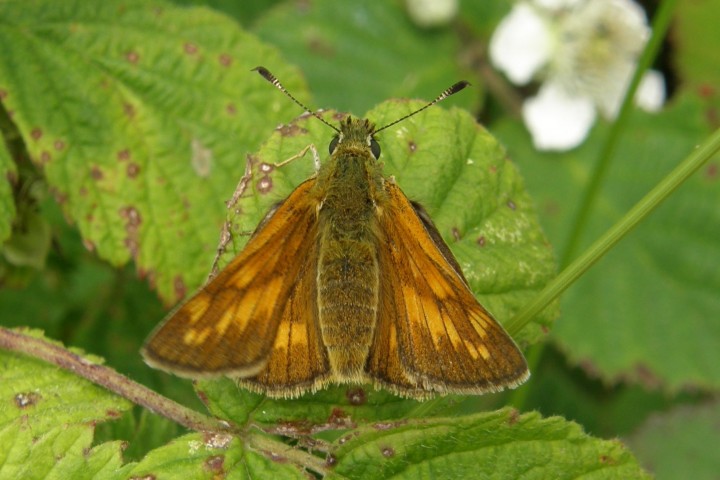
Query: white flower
x=585 y=53
x=432 y=13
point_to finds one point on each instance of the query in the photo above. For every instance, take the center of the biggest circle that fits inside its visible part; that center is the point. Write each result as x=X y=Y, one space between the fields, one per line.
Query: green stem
x=638 y=213
x=660 y=25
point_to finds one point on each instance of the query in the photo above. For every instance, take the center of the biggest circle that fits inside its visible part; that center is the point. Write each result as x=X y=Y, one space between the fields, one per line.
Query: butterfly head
x=356 y=133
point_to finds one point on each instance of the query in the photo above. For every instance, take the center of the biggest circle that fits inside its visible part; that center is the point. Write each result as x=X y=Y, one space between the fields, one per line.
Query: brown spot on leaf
x=343 y=440
x=706 y=90
x=215 y=463
x=711 y=172
x=36 y=133
x=331 y=460
x=123 y=155
x=45 y=157
x=190 y=48
x=480 y=241
x=266 y=167
x=148 y=476
x=133 y=219
x=96 y=173
x=89 y=244
x=265 y=184
x=712 y=117
x=231 y=109
x=179 y=286
x=132 y=57
x=356 y=396
x=202 y=396
x=3 y=94
x=27 y=399
x=412 y=146
x=551 y=208
x=320 y=46
x=59 y=145
x=60 y=197
x=129 y=110
x=513 y=417
x=511 y=205
x=647 y=377
x=388 y=452
x=133 y=169
x=339 y=419
x=225 y=60
x=456 y=234
x=291 y=130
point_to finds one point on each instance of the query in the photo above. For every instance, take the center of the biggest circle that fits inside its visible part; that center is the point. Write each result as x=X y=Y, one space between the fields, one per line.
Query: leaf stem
x=110 y=379
x=274 y=449
x=601 y=246
x=660 y=25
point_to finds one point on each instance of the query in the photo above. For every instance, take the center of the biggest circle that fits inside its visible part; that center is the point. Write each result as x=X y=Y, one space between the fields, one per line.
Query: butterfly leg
x=301 y=154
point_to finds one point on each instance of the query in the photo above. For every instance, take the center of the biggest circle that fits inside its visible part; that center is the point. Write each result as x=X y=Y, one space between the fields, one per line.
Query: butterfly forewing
x=229 y=326
x=446 y=341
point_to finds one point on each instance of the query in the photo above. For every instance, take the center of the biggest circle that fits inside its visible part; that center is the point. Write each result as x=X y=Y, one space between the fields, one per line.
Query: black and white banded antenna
x=273 y=79
x=445 y=94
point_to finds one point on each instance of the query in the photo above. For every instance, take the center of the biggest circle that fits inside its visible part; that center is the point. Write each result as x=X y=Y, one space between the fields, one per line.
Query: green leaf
x=500 y=445
x=47 y=418
x=695 y=38
x=681 y=443
x=41 y=396
x=646 y=312
x=140 y=122
x=244 y=12
x=338 y=407
x=462 y=176
x=8 y=171
x=211 y=456
x=370 y=49
x=58 y=453
x=30 y=241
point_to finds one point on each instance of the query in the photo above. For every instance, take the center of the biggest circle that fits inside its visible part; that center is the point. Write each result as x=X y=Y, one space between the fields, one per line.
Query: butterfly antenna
x=272 y=79
x=446 y=93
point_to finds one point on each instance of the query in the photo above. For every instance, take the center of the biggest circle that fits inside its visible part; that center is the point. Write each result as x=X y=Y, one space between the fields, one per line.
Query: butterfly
x=345 y=281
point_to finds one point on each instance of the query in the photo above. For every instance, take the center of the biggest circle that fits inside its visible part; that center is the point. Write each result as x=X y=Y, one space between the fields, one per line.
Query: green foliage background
x=126 y=126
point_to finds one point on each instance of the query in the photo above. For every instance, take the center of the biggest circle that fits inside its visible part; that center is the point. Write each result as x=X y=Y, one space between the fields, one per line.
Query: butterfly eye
x=375 y=148
x=334 y=143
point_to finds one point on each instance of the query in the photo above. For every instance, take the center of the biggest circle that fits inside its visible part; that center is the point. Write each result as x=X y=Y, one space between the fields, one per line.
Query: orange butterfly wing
x=298 y=361
x=432 y=334
x=257 y=311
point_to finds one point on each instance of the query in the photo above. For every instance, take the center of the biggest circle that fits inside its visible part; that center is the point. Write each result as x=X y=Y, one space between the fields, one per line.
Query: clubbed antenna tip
x=273 y=79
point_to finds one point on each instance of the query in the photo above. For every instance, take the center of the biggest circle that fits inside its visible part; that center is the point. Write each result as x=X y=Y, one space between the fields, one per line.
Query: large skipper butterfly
x=345 y=281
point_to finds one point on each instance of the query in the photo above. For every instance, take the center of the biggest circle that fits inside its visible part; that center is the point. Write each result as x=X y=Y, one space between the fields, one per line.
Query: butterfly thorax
x=350 y=186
